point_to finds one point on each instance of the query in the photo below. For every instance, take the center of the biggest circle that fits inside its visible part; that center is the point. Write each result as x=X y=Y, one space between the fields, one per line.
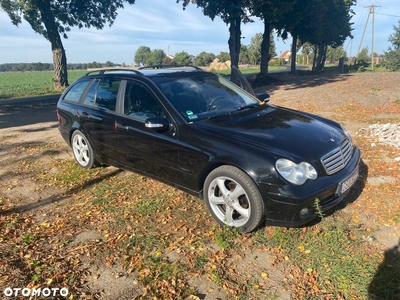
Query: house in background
x=285 y=56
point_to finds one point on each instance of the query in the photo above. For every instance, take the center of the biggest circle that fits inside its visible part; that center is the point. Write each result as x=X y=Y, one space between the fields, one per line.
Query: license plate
x=348 y=183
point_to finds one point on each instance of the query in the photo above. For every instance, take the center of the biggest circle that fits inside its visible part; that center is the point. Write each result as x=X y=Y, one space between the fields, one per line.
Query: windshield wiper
x=252 y=105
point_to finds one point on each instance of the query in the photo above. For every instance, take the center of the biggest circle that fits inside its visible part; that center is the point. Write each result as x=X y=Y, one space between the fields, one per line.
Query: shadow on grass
x=59 y=197
x=386 y=281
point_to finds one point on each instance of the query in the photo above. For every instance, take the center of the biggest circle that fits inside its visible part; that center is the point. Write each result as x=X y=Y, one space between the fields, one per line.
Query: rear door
x=97 y=117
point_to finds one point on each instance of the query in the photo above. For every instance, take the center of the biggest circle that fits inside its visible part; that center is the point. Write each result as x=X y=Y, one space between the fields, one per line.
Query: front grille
x=337 y=159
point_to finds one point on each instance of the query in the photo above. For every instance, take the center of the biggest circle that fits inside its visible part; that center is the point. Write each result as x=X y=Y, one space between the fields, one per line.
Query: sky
x=163 y=24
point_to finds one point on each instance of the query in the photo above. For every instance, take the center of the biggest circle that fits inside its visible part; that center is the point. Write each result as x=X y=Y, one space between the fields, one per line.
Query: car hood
x=286 y=132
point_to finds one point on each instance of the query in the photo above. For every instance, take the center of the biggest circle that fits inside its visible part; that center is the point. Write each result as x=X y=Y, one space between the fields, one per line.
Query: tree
x=306 y=51
x=244 y=55
x=394 y=38
x=255 y=49
x=363 y=56
x=223 y=56
x=156 y=57
x=326 y=24
x=392 y=56
x=51 y=19
x=204 y=59
x=272 y=12
x=142 y=55
x=167 y=60
x=334 y=54
x=182 y=58
x=232 y=13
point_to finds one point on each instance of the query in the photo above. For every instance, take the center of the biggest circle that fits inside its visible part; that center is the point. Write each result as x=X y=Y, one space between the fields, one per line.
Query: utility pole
x=373 y=21
x=371 y=11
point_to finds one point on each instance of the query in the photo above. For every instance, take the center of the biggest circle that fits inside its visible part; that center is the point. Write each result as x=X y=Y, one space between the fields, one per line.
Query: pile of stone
x=388 y=134
x=217 y=65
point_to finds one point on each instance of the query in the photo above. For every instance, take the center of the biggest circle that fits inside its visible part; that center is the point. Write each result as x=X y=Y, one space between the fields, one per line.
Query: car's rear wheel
x=233 y=199
x=83 y=151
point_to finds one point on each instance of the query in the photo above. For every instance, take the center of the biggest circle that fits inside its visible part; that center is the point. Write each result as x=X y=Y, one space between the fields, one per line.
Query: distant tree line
x=38 y=66
x=249 y=54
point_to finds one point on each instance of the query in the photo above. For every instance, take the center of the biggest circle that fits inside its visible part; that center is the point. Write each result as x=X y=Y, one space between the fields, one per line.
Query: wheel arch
x=214 y=165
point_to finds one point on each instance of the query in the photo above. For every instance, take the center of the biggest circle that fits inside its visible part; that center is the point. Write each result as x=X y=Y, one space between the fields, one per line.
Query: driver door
x=240 y=80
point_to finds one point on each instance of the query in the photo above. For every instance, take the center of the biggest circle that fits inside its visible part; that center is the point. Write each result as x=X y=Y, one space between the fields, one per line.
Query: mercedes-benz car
x=197 y=131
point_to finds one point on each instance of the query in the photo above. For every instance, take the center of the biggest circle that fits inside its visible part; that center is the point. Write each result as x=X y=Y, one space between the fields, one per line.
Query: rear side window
x=75 y=93
x=91 y=94
x=107 y=93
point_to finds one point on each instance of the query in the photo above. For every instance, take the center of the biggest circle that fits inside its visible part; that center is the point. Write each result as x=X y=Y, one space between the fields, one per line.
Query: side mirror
x=157 y=124
x=265 y=97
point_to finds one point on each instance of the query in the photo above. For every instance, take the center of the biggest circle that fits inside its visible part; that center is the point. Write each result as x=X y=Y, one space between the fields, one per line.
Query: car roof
x=148 y=71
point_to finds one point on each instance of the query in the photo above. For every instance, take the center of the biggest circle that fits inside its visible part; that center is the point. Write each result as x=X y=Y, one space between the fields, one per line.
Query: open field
x=21 y=84
x=108 y=234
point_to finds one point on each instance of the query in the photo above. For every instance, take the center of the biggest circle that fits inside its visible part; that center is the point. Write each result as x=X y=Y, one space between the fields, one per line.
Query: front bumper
x=297 y=206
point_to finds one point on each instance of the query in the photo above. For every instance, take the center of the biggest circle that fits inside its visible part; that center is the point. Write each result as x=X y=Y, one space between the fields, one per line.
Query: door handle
x=120 y=126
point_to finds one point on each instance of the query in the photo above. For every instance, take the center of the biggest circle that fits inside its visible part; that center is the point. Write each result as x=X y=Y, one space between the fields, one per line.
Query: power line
x=387 y=15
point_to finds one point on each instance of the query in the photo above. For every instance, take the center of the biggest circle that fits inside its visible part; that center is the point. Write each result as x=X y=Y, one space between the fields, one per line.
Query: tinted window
x=89 y=99
x=107 y=92
x=204 y=96
x=74 y=94
x=140 y=103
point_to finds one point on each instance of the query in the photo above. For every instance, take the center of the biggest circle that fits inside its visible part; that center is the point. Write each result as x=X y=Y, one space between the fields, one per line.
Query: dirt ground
x=355 y=100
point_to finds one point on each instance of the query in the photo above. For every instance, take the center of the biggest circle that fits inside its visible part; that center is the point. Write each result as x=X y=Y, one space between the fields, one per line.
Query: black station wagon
x=250 y=161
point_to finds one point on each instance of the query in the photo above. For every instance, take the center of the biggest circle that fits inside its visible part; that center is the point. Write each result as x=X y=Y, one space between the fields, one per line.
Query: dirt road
x=29 y=140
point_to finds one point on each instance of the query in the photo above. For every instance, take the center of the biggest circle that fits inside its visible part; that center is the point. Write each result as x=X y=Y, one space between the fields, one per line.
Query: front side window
x=140 y=103
x=107 y=93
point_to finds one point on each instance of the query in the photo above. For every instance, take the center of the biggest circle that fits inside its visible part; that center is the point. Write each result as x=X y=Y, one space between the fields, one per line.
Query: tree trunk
x=265 y=45
x=234 y=44
x=294 y=51
x=321 y=58
x=314 y=58
x=60 y=78
x=325 y=49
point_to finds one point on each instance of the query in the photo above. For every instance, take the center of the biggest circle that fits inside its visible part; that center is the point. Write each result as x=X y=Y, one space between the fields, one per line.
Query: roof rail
x=170 y=66
x=109 y=70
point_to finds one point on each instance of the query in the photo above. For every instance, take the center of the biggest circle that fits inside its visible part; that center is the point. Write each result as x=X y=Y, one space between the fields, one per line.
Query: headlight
x=348 y=136
x=295 y=173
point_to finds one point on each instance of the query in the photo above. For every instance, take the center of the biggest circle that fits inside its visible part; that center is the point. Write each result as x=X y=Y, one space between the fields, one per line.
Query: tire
x=233 y=199
x=83 y=151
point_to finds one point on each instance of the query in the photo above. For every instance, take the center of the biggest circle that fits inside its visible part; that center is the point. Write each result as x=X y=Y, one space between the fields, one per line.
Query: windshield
x=204 y=96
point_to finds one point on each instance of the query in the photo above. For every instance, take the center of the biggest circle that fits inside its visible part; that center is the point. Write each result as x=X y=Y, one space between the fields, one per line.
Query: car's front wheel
x=83 y=152
x=233 y=199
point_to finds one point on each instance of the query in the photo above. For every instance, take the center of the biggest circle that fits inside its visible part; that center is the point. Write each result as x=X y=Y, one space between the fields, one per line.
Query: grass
x=332 y=256
x=21 y=84
x=153 y=223
x=164 y=237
